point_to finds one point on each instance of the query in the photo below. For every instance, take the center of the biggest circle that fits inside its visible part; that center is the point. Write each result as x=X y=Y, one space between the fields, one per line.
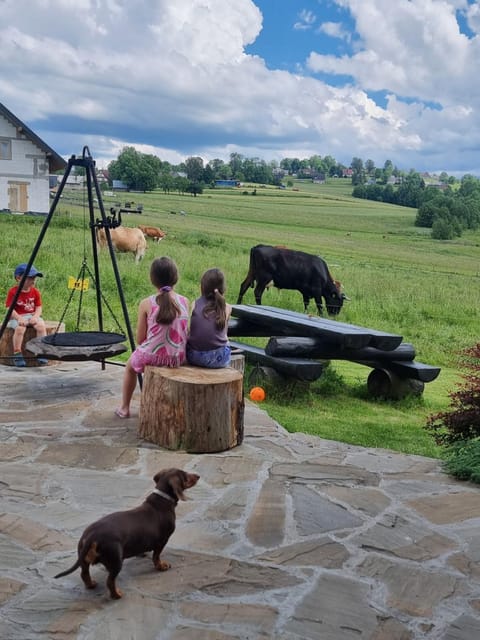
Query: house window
x=5 y=149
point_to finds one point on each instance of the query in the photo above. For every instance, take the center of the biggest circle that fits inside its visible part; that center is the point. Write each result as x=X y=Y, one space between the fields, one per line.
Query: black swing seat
x=78 y=345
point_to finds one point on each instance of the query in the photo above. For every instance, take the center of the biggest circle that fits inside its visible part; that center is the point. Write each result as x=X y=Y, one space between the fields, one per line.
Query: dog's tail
x=71 y=570
x=87 y=554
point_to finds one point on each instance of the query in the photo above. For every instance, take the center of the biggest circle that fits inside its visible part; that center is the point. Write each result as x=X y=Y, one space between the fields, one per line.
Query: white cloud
x=334 y=30
x=306 y=20
x=174 y=78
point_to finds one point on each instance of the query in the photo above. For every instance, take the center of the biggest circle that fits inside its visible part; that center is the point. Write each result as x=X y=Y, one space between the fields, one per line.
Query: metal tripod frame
x=105 y=222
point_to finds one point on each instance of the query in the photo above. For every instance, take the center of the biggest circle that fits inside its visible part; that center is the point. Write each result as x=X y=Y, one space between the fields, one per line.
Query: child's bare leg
x=128 y=387
x=40 y=328
x=18 y=334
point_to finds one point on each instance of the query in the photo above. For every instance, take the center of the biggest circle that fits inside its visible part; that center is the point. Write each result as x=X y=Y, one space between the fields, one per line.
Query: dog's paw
x=161 y=565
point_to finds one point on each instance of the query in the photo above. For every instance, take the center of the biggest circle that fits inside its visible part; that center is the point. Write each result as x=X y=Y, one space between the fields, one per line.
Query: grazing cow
x=152 y=232
x=125 y=239
x=290 y=269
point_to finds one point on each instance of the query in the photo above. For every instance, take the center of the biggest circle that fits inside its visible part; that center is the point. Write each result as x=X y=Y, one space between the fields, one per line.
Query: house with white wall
x=25 y=165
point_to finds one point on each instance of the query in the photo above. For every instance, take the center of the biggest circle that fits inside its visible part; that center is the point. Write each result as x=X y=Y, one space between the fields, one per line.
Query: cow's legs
x=248 y=282
x=318 y=302
x=260 y=288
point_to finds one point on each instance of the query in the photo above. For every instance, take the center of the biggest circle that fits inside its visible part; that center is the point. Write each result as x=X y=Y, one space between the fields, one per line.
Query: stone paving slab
x=287 y=536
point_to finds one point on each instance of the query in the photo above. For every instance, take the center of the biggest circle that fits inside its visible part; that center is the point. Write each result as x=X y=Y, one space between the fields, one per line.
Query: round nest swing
x=78 y=345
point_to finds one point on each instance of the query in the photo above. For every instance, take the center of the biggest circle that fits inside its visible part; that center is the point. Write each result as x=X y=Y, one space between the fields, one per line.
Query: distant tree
x=470 y=186
x=369 y=167
x=442 y=230
x=236 y=164
x=181 y=184
x=194 y=169
x=389 y=194
x=387 y=171
x=221 y=170
x=195 y=188
x=410 y=192
x=166 y=182
x=358 y=176
x=137 y=170
x=359 y=191
x=208 y=175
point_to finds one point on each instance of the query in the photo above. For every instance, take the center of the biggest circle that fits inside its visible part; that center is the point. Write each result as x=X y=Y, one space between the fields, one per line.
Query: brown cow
x=125 y=239
x=152 y=232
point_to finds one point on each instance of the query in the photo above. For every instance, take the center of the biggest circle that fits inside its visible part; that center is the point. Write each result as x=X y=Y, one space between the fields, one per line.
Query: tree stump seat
x=6 y=343
x=194 y=409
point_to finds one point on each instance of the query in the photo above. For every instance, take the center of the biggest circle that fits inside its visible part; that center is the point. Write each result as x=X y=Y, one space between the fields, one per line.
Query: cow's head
x=333 y=302
x=334 y=298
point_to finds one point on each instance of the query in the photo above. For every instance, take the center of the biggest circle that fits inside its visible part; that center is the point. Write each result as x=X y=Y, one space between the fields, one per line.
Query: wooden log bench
x=285 y=322
x=304 y=369
x=6 y=343
x=309 y=340
x=194 y=409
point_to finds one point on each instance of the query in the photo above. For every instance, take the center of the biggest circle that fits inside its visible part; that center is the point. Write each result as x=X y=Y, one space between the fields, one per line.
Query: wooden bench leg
x=191 y=408
x=383 y=383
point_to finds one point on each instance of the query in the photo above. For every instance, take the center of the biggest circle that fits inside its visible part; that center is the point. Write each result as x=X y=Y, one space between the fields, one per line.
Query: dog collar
x=163 y=494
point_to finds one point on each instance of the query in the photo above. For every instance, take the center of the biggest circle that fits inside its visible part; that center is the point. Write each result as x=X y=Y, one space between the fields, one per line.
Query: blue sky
x=264 y=78
x=292 y=29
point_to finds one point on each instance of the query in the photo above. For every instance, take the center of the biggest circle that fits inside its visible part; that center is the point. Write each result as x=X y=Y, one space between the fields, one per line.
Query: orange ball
x=257 y=394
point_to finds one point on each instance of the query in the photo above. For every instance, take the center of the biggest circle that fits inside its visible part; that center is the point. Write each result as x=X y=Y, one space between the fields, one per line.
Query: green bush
x=442 y=230
x=462 y=460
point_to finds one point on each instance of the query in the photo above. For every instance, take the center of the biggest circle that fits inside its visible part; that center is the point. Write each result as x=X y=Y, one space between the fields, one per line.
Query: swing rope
x=80 y=279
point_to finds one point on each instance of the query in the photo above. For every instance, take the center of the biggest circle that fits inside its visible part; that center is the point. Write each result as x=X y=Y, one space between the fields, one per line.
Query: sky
x=272 y=79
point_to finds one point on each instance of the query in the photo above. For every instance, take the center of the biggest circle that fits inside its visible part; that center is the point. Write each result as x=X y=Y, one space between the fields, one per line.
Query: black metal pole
x=106 y=223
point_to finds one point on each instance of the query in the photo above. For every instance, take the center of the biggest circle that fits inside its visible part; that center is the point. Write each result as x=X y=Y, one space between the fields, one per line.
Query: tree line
x=448 y=208
x=145 y=172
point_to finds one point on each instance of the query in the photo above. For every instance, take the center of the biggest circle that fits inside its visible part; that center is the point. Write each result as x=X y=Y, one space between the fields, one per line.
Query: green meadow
x=398 y=278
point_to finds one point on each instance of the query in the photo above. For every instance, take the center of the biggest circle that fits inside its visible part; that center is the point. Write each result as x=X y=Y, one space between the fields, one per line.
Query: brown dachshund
x=125 y=534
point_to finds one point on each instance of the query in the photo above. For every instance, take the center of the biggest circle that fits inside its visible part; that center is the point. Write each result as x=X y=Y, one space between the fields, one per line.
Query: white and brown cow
x=125 y=239
x=152 y=232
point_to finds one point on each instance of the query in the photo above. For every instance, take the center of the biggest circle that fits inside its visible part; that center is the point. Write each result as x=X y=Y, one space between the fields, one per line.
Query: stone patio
x=288 y=536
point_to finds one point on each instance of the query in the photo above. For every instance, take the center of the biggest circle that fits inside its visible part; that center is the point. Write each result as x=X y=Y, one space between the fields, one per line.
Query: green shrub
x=442 y=230
x=462 y=460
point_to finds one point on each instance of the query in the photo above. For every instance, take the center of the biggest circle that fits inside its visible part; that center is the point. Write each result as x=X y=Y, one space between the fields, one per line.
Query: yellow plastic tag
x=78 y=285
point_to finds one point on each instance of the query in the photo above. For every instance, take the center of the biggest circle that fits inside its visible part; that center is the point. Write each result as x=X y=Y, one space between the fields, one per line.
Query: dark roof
x=55 y=162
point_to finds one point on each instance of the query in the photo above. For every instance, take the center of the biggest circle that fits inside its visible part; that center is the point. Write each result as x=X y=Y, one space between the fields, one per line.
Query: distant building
x=227 y=183
x=26 y=163
x=118 y=185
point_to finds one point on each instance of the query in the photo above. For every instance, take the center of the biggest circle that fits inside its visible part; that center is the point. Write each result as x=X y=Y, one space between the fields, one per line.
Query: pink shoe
x=121 y=414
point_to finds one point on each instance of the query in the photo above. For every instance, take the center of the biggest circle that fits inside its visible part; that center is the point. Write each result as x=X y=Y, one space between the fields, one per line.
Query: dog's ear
x=177 y=481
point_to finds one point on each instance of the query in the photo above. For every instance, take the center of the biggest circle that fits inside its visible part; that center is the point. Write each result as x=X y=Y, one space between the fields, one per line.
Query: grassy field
x=399 y=280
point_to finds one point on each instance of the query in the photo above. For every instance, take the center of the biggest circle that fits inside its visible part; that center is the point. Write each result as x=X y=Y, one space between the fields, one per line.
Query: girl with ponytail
x=207 y=344
x=162 y=327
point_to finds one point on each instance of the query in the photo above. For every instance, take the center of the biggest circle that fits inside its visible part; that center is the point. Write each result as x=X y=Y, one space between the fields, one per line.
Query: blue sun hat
x=33 y=273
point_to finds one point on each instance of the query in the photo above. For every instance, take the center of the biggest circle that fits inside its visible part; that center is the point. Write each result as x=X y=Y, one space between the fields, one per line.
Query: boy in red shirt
x=26 y=312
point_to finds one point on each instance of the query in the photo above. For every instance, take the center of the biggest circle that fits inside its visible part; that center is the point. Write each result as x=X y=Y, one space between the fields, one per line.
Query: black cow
x=290 y=269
